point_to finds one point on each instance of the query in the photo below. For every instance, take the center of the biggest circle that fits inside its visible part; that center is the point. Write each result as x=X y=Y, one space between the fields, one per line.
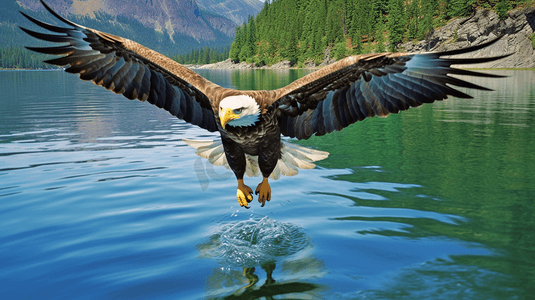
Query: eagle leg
x=264 y=190
x=244 y=194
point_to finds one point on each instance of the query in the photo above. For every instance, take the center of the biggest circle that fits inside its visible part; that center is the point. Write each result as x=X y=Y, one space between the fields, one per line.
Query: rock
x=226 y=64
x=309 y=64
x=285 y=64
x=327 y=60
x=483 y=26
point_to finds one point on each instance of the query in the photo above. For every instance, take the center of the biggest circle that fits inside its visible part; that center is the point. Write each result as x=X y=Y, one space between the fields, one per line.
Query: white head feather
x=249 y=110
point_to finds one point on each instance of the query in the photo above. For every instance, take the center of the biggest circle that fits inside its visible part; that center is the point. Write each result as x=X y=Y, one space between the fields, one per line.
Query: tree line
x=301 y=30
x=202 y=56
x=19 y=58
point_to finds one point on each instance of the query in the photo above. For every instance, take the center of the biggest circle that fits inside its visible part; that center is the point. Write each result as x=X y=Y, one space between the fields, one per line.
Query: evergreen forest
x=302 y=30
x=202 y=56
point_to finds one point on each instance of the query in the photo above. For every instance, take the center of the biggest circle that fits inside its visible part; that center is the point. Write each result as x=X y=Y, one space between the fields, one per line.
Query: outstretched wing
x=370 y=85
x=127 y=68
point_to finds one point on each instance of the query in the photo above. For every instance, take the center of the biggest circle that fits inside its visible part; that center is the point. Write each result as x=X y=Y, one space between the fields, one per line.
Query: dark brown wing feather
x=130 y=69
x=370 y=85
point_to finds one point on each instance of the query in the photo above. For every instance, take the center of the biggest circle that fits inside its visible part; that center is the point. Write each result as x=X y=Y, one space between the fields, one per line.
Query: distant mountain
x=235 y=10
x=168 y=26
x=173 y=17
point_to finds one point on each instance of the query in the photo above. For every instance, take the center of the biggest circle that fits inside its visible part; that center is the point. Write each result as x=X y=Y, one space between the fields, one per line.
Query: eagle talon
x=264 y=192
x=244 y=194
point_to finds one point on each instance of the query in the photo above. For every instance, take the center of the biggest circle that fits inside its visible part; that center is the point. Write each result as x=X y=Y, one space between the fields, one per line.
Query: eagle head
x=239 y=110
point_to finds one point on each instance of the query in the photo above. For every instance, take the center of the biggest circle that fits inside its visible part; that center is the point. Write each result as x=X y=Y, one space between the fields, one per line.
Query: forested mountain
x=302 y=31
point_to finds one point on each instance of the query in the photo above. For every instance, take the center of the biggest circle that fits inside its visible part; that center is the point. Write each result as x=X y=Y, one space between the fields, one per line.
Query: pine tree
x=413 y=12
x=360 y=22
x=460 y=8
x=251 y=37
x=272 y=49
x=334 y=31
x=426 y=25
x=396 y=23
x=236 y=45
x=339 y=50
x=262 y=58
x=315 y=30
x=382 y=6
x=288 y=35
x=305 y=39
x=380 y=47
x=358 y=49
x=291 y=49
x=244 y=45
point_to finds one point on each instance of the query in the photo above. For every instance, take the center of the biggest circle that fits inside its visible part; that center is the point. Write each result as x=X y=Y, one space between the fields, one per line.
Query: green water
x=476 y=157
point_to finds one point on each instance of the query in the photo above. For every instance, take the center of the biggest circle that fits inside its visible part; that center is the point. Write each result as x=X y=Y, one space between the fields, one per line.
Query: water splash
x=253 y=242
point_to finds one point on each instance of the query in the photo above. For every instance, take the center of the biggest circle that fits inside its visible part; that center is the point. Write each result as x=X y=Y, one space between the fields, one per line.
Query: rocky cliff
x=516 y=28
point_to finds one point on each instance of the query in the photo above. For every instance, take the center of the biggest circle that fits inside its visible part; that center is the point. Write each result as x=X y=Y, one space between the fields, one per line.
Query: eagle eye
x=238 y=110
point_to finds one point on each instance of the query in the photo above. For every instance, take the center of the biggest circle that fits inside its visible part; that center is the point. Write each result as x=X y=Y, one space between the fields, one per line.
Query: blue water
x=101 y=199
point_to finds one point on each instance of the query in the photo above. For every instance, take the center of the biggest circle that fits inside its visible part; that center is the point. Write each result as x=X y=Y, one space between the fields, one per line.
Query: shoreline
x=228 y=65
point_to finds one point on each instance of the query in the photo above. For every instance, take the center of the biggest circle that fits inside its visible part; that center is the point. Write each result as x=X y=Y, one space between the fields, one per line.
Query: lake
x=101 y=199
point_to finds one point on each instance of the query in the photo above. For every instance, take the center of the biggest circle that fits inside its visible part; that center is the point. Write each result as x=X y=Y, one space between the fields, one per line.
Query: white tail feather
x=294 y=157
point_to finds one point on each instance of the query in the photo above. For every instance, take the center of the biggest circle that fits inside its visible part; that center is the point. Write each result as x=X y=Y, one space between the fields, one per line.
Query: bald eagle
x=251 y=122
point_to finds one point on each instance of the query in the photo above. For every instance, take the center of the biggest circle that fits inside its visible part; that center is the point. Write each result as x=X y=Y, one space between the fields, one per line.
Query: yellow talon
x=264 y=191
x=244 y=194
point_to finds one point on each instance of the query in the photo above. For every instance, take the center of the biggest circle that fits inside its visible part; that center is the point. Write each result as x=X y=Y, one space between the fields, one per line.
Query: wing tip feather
x=62 y=19
x=468 y=49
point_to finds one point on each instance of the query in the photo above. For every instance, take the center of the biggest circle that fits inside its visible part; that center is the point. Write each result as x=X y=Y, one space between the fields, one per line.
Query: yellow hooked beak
x=226 y=116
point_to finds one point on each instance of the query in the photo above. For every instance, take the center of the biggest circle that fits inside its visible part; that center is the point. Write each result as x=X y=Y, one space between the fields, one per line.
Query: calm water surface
x=101 y=199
